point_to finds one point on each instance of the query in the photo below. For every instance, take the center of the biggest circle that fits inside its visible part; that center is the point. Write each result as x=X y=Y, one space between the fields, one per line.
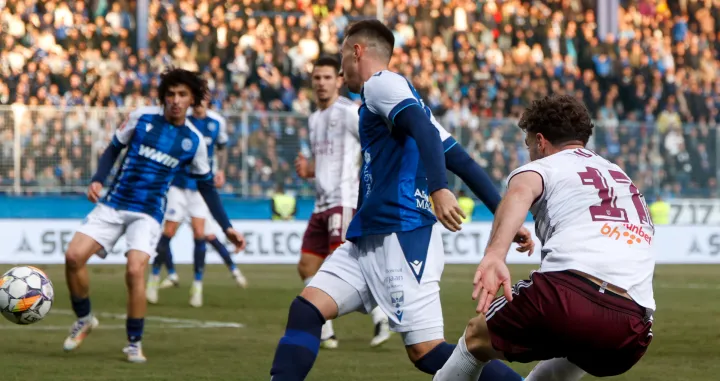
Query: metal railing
x=55 y=150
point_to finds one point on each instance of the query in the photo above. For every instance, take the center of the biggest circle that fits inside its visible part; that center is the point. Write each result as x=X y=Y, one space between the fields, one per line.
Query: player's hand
x=236 y=238
x=219 y=179
x=301 y=166
x=525 y=240
x=447 y=209
x=489 y=276
x=94 y=191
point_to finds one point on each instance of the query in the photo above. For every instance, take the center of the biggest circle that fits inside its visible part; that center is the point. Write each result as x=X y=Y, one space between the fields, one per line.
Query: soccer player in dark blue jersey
x=183 y=200
x=160 y=143
x=394 y=255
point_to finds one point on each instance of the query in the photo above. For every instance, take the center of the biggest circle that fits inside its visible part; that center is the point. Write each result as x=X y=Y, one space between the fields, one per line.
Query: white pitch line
x=174 y=322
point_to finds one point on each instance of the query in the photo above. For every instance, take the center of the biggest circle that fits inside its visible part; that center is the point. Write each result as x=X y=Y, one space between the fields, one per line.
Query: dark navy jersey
x=156 y=152
x=214 y=131
x=393 y=185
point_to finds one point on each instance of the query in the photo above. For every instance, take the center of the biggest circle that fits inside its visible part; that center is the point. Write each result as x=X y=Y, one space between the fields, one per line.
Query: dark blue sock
x=224 y=253
x=199 y=258
x=297 y=350
x=494 y=370
x=497 y=370
x=435 y=359
x=134 y=329
x=81 y=306
x=163 y=252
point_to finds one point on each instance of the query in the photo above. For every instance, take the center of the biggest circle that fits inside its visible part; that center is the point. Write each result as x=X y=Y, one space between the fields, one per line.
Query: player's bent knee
x=79 y=251
x=170 y=228
x=322 y=301
x=136 y=265
x=478 y=340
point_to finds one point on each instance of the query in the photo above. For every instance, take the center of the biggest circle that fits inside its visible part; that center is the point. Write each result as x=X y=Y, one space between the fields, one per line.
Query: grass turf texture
x=181 y=345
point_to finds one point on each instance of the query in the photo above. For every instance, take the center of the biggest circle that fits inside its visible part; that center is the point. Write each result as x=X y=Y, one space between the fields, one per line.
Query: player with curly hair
x=588 y=309
x=160 y=143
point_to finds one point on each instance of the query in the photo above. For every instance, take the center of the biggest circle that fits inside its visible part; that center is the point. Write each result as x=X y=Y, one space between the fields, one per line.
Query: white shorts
x=106 y=225
x=185 y=203
x=400 y=275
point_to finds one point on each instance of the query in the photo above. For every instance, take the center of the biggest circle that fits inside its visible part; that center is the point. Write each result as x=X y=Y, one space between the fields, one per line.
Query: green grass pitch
x=233 y=337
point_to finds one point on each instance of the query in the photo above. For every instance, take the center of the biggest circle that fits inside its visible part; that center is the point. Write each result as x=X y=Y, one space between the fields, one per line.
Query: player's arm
x=523 y=189
x=304 y=167
x=392 y=98
x=200 y=170
x=221 y=153
x=120 y=140
x=459 y=162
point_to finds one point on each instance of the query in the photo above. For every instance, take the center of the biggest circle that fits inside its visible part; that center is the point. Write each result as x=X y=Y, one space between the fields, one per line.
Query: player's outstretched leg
x=135 y=280
x=382 y=327
x=308 y=266
x=227 y=258
x=79 y=251
x=298 y=348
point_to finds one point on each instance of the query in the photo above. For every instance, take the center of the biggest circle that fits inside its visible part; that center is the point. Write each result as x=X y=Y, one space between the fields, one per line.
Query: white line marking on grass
x=167 y=322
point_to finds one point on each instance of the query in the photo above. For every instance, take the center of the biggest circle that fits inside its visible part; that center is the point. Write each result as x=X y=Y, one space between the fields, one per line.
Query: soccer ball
x=26 y=295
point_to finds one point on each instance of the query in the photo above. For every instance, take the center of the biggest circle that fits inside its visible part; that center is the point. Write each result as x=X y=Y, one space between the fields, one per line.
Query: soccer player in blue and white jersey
x=184 y=200
x=394 y=254
x=160 y=143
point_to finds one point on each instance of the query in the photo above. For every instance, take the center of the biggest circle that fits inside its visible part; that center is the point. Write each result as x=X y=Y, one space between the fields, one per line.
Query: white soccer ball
x=26 y=295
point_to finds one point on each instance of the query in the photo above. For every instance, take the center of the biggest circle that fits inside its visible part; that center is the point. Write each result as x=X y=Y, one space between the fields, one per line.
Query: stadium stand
x=69 y=69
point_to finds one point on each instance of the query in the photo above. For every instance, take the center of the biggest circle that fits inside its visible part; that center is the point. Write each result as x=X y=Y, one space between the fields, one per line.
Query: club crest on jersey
x=397 y=299
x=212 y=126
x=158 y=156
x=187 y=144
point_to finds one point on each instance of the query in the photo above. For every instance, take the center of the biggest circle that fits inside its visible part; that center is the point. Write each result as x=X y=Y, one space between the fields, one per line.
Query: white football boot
x=328 y=340
x=151 y=289
x=134 y=352
x=239 y=278
x=78 y=331
x=172 y=280
x=196 y=296
x=382 y=334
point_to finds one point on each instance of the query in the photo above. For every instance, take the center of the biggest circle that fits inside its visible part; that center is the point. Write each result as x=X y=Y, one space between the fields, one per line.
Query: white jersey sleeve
x=200 y=164
x=222 y=137
x=591 y=218
x=125 y=132
x=387 y=93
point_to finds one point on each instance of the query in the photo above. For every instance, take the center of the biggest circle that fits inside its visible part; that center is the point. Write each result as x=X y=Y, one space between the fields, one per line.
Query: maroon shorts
x=326 y=231
x=561 y=314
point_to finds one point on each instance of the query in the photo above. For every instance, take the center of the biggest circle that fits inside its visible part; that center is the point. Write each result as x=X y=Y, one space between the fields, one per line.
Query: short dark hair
x=373 y=29
x=559 y=118
x=176 y=76
x=328 y=61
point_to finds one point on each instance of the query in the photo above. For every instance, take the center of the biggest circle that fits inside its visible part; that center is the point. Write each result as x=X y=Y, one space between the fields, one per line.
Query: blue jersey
x=156 y=152
x=213 y=129
x=393 y=185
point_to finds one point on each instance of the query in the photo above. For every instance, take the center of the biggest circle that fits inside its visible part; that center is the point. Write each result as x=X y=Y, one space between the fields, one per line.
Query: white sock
x=558 y=369
x=461 y=366
x=378 y=316
x=154 y=278
x=327 y=330
x=307 y=280
x=197 y=283
x=236 y=273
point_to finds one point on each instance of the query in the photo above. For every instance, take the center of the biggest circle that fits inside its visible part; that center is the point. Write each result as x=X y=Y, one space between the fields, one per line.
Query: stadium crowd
x=653 y=86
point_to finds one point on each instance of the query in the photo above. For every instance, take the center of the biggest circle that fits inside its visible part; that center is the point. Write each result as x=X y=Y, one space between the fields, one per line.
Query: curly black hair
x=559 y=118
x=176 y=76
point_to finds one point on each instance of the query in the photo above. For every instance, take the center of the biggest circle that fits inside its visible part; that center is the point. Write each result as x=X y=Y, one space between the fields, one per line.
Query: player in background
x=394 y=255
x=335 y=146
x=160 y=143
x=185 y=201
x=596 y=270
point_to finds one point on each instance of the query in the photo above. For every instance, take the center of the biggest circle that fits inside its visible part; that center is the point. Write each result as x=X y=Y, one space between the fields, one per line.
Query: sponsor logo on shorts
x=632 y=234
